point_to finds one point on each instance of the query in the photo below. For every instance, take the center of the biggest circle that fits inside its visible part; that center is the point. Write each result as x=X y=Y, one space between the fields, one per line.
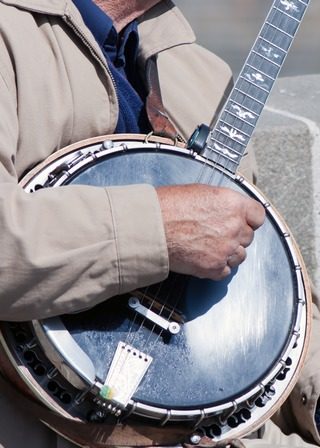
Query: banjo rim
x=58 y=157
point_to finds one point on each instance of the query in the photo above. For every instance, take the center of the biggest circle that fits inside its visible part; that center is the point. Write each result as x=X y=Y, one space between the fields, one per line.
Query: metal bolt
x=133 y=302
x=174 y=327
x=108 y=144
x=195 y=439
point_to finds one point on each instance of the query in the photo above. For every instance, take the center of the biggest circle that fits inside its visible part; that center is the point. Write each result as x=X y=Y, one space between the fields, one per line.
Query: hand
x=207 y=228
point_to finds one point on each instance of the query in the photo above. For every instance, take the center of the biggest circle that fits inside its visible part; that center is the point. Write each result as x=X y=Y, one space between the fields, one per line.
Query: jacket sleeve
x=68 y=248
x=272 y=437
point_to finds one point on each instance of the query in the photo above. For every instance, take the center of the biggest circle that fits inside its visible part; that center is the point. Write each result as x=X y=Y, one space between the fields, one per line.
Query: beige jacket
x=66 y=250
x=69 y=248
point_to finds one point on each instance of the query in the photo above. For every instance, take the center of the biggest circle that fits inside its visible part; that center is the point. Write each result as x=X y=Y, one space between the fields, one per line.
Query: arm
x=65 y=249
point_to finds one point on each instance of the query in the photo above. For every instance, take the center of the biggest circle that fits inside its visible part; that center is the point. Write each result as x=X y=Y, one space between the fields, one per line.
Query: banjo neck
x=228 y=139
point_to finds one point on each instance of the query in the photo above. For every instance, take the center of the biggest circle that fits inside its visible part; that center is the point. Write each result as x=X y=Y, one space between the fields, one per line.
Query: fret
x=286 y=14
x=261 y=72
x=229 y=143
x=253 y=78
x=295 y=9
x=235 y=128
x=273 y=45
x=225 y=150
x=216 y=156
x=246 y=101
x=242 y=112
x=251 y=89
x=272 y=53
x=232 y=135
x=264 y=64
x=249 y=96
x=284 y=22
x=282 y=40
x=266 y=58
x=229 y=146
x=257 y=77
x=233 y=115
x=278 y=29
x=234 y=120
x=221 y=151
x=240 y=126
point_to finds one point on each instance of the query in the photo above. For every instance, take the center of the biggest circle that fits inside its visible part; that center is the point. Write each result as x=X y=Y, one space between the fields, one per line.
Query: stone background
x=229 y=28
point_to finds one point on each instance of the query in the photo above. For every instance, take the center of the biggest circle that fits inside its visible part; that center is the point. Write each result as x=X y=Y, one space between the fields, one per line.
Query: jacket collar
x=154 y=36
x=161 y=28
x=55 y=7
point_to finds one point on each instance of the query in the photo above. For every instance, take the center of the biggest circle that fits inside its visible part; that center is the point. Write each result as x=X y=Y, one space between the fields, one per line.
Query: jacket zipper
x=93 y=51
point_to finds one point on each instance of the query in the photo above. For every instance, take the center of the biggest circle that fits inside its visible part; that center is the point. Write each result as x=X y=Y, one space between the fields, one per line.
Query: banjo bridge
x=127 y=369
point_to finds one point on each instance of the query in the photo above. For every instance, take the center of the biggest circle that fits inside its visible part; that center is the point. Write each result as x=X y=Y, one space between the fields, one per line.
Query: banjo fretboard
x=229 y=138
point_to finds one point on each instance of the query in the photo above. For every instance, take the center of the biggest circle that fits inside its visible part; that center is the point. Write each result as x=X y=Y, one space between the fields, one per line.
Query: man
x=63 y=249
x=59 y=89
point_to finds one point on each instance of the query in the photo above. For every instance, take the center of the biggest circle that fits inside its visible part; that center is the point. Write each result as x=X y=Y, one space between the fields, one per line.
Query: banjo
x=217 y=358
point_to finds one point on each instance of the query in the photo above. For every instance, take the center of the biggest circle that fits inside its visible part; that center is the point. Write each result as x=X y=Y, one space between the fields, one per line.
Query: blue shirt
x=120 y=52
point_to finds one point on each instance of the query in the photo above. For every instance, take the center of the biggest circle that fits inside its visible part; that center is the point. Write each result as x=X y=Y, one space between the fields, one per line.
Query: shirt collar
x=99 y=23
x=101 y=26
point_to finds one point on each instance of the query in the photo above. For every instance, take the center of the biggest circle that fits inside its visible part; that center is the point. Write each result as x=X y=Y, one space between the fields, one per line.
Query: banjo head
x=223 y=355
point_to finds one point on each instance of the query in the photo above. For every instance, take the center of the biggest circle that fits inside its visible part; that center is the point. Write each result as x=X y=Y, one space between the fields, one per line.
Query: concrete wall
x=229 y=29
x=287 y=142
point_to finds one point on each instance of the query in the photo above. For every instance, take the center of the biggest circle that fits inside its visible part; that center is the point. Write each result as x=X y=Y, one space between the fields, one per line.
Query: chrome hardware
x=128 y=367
x=135 y=304
x=107 y=144
x=195 y=439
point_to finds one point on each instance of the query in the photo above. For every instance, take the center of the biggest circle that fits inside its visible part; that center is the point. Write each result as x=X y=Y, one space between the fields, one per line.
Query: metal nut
x=195 y=439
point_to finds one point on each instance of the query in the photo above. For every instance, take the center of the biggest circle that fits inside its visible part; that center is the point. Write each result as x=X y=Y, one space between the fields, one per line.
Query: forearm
x=68 y=248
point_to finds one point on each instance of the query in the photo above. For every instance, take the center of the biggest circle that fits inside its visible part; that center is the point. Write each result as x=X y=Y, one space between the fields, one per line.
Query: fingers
x=246 y=236
x=237 y=257
x=255 y=214
x=232 y=261
x=223 y=273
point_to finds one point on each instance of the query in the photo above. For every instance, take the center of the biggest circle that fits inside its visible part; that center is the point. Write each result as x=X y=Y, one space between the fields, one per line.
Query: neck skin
x=123 y=12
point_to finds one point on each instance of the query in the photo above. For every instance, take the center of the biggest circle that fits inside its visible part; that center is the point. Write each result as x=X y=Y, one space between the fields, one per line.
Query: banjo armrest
x=64 y=352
